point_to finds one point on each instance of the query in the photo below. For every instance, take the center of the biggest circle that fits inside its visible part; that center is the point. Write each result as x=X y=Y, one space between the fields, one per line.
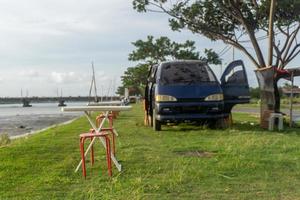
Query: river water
x=17 y=120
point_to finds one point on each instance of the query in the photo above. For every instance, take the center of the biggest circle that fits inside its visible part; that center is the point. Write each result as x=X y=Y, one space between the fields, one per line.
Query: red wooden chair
x=110 y=128
x=91 y=135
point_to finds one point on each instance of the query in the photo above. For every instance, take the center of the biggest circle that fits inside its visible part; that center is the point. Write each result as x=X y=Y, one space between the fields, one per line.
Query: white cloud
x=31 y=73
x=65 y=77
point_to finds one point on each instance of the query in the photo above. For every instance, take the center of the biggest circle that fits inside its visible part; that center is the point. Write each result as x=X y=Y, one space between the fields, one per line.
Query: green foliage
x=4 y=139
x=243 y=162
x=152 y=51
x=219 y=18
x=255 y=93
x=229 y=20
x=134 y=78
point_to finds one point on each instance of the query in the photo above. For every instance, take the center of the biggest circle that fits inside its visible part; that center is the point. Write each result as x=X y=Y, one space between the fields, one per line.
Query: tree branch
x=291 y=56
x=291 y=40
x=282 y=31
x=251 y=34
x=278 y=52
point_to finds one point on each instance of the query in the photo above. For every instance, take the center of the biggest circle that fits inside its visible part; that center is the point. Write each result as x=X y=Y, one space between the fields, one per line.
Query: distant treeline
x=13 y=100
x=255 y=92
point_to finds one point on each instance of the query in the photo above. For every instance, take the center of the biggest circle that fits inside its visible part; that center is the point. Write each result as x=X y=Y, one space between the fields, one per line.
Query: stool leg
x=99 y=120
x=82 y=156
x=113 y=135
x=113 y=143
x=92 y=152
x=110 y=121
x=108 y=158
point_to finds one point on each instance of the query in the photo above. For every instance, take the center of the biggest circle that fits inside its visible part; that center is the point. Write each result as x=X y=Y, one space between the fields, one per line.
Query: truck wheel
x=156 y=124
x=222 y=123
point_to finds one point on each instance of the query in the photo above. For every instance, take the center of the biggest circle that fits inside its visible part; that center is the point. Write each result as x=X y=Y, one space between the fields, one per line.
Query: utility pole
x=291 y=100
x=271 y=32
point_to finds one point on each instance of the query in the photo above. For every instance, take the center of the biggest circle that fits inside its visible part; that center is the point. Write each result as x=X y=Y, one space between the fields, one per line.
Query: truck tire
x=221 y=123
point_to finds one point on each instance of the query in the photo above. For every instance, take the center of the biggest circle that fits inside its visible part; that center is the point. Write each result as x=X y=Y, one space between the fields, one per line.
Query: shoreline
x=14 y=137
x=23 y=125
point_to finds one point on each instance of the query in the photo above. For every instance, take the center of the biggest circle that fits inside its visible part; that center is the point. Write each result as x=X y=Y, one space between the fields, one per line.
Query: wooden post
x=291 y=100
x=271 y=32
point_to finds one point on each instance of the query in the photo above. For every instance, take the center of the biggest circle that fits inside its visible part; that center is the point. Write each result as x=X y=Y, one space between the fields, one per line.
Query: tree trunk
x=277 y=96
x=269 y=94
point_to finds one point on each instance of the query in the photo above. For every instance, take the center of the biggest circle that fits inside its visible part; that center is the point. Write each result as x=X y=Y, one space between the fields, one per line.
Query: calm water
x=36 y=109
x=17 y=120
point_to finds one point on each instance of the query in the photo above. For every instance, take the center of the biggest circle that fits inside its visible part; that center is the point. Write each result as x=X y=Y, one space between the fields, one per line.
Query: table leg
x=86 y=152
x=113 y=158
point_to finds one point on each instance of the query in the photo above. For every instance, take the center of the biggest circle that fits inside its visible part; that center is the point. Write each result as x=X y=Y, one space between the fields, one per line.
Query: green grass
x=245 y=163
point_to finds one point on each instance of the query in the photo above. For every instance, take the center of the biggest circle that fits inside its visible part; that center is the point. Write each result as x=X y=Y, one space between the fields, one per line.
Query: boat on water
x=26 y=102
x=61 y=103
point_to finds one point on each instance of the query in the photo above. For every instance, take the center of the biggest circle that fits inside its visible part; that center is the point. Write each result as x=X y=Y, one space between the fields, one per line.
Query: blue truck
x=188 y=90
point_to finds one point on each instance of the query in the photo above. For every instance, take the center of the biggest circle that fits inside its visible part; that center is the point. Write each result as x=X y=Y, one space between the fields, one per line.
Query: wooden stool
x=110 y=128
x=91 y=135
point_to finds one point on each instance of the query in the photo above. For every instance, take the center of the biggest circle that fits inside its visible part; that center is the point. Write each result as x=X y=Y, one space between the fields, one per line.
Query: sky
x=48 y=46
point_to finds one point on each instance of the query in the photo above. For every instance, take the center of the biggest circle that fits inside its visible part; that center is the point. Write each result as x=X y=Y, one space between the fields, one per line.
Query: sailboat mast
x=95 y=86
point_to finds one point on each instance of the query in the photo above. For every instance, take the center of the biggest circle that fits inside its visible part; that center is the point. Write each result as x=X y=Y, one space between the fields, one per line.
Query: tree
x=236 y=23
x=134 y=78
x=152 y=51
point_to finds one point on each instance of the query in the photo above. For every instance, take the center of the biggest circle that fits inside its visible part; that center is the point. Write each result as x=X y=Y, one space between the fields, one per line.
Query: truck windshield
x=186 y=74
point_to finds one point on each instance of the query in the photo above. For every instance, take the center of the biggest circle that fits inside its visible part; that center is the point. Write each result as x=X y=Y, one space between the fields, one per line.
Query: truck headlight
x=161 y=98
x=215 y=97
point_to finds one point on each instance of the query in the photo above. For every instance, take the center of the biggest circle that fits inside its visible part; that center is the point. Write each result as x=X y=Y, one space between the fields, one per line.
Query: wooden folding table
x=87 y=112
x=106 y=103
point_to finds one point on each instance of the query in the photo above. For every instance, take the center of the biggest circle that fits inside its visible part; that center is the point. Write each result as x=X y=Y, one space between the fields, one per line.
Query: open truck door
x=235 y=85
x=149 y=91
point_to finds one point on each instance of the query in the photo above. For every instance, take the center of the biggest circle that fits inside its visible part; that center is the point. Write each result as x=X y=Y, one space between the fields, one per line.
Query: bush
x=4 y=139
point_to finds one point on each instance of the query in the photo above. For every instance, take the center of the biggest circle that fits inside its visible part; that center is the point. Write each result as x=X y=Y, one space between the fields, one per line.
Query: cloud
x=29 y=73
x=65 y=77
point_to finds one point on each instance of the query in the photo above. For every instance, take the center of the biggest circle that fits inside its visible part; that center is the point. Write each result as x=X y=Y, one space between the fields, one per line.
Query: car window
x=186 y=74
x=236 y=75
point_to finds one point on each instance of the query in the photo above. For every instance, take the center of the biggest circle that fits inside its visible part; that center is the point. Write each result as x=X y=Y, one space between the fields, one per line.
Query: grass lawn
x=180 y=162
